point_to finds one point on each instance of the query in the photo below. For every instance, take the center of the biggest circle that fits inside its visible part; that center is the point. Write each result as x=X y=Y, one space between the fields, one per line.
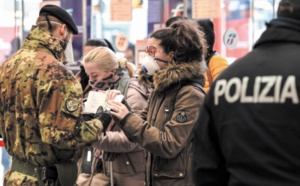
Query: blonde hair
x=124 y=64
x=107 y=60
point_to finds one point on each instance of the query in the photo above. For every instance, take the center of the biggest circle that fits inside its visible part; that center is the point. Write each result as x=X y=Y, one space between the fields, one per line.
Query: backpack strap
x=196 y=85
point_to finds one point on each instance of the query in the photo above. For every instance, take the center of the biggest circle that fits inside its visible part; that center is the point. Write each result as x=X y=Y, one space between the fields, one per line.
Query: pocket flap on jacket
x=169 y=174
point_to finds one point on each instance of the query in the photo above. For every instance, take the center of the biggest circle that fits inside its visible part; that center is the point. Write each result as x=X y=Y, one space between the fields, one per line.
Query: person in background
x=129 y=53
x=81 y=76
x=94 y=43
x=215 y=62
x=165 y=126
x=249 y=129
x=41 y=103
x=106 y=71
x=174 y=19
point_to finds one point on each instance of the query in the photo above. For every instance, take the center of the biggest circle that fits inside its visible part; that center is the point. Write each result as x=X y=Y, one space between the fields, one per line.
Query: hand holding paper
x=96 y=99
x=117 y=109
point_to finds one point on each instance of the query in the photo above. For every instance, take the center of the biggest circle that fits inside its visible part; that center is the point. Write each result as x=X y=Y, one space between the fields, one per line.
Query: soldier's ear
x=63 y=30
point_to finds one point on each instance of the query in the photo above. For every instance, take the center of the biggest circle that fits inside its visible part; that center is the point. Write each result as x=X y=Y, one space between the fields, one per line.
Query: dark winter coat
x=165 y=126
x=249 y=130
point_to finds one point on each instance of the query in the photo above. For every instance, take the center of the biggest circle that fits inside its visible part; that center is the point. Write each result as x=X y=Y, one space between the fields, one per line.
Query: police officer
x=41 y=105
x=249 y=130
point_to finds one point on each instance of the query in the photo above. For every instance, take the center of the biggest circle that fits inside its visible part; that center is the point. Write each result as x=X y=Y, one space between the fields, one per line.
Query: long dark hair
x=184 y=39
x=207 y=26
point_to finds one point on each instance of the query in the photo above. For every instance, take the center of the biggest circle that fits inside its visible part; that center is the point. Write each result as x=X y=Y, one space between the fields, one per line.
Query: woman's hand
x=117 y=109
x=112 y=94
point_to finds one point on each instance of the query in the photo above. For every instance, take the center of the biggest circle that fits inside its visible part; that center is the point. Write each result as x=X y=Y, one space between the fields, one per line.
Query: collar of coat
x=176 y=73
x=281 y=29
x=41 y=38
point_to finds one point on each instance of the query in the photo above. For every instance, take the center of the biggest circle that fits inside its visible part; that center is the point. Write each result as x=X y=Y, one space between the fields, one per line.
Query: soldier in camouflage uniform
x=41 y=105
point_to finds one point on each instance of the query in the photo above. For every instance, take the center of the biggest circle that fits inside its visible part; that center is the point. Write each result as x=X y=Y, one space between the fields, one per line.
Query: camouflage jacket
x=41 y=104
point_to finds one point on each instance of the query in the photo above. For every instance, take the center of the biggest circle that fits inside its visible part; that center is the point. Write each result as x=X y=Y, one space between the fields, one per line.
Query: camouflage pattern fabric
x=40 y=107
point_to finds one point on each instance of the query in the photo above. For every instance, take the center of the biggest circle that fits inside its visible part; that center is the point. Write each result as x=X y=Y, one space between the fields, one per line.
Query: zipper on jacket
x=166 y=111
x=155 y=160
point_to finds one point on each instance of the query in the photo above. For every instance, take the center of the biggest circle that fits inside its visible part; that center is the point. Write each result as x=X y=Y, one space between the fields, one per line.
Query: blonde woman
x=81 y=76
x=106 y=71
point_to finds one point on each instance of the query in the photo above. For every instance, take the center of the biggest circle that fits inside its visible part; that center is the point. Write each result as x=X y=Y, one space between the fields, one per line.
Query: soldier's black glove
x=104 y=117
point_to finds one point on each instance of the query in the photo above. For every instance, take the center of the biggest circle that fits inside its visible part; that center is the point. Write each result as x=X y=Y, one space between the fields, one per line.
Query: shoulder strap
x=196 y=85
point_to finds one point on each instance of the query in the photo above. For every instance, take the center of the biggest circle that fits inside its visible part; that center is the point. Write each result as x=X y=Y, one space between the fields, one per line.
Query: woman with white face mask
x=154 y=59
x=107 y=72
x=175 y=60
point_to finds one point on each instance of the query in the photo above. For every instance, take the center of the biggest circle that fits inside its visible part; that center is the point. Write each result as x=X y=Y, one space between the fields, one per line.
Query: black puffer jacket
x=249 y=130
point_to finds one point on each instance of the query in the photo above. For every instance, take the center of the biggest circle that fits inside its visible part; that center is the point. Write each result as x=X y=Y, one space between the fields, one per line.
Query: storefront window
x=103 y=27
x=16 y=20
x=8 y=29
x=238 y=23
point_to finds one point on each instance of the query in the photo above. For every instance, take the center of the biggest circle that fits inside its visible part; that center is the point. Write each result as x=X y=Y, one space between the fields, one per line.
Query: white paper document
x=96 y=99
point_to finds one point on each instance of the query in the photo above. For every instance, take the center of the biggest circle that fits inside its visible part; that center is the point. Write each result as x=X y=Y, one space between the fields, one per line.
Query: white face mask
x=69 y=49
x=69 y=53
x=149 y=65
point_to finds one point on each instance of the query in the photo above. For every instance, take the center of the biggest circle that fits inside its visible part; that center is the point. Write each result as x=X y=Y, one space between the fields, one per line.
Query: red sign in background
x=1 y=142
x=7 y=35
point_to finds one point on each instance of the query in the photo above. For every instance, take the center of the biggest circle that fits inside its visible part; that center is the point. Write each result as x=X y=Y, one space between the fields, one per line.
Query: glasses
x=151 y=50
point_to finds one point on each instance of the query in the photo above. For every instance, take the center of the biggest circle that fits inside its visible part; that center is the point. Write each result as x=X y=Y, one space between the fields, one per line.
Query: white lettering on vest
x=266 y=89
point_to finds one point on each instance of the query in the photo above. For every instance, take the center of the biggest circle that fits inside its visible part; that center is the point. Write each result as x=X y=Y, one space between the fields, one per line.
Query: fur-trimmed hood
x=175 y=73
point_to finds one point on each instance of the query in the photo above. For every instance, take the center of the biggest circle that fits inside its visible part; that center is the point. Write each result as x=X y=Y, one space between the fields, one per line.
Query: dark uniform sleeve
x=208 y=163
x=59 y=99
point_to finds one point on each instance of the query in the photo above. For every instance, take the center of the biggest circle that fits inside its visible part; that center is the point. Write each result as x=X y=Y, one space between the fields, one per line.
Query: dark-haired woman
x=164 y=128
